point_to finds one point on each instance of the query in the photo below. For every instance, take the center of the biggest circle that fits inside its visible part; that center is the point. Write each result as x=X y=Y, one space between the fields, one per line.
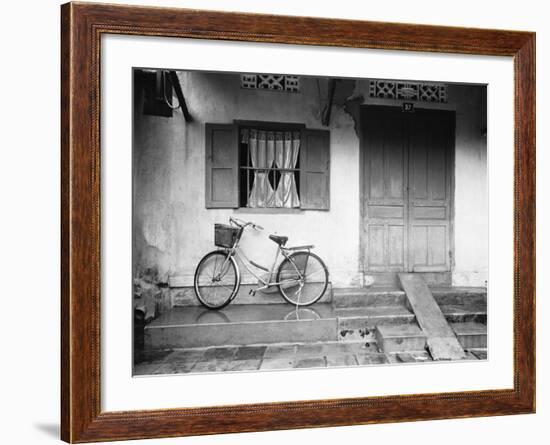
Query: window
x=269 y=168
x=266 y=165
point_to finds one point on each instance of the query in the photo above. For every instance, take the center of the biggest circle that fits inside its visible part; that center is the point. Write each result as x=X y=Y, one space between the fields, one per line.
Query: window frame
x=222 y=166
x=266 y=126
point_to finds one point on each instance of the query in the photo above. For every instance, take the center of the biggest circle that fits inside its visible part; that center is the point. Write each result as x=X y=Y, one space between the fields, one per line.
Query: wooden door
x=384 y=190
x=431 y=136
x=406 y=191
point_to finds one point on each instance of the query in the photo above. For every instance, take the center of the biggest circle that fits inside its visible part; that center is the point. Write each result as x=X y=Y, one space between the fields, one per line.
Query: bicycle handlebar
x=243 y=224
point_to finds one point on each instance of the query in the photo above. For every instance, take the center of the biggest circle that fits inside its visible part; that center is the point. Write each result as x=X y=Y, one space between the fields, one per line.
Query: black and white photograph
x=284 y=222
x=275 y=222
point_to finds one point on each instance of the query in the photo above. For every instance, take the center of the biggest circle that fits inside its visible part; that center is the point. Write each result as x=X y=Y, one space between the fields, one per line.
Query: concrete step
x=460 y=295
x=359 y=324
x=185 y=296
x=391 y=278
x=471 y=335
x=400 y=338
x=364 y=297
x=193 y=327
x=467 y=312
x=392 y=295
x=410 y=357
x=477 y=353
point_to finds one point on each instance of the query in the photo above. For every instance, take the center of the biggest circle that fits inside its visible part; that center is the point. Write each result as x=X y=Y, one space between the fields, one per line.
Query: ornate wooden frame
x=81 y=28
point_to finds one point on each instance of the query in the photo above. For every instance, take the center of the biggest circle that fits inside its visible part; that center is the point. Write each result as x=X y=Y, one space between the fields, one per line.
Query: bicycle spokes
x=302 y=278
x=215 y=280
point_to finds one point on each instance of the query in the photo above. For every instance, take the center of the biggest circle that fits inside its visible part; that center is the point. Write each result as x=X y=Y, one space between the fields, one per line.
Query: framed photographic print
x=276 y=222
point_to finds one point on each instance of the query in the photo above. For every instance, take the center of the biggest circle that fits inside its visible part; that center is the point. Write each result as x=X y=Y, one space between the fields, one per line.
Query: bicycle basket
x=224 y=235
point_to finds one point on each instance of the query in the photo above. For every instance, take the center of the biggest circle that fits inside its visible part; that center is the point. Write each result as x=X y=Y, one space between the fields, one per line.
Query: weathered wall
x=471 y=219
x=173 y=229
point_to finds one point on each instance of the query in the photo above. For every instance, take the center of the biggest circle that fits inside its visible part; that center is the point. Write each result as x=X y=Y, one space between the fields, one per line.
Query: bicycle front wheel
x=302 y=278
x=216 y=280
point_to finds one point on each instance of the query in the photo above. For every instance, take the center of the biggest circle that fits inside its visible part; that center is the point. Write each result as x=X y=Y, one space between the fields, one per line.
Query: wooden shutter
x=222 y=166
x=315 y=170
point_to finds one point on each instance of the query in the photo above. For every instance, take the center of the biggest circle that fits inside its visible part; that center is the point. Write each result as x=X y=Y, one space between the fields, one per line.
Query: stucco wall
x=173 y=229
x=471 y=218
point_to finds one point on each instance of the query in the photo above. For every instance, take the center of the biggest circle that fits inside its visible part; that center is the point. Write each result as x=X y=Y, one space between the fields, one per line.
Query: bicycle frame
x=236 y=252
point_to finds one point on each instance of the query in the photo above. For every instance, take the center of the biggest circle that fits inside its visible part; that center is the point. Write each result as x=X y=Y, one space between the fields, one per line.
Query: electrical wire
x=165 y=98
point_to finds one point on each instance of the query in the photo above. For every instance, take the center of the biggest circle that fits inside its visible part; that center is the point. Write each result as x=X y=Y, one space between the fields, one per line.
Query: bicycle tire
x=287 y=267
x=200 y=289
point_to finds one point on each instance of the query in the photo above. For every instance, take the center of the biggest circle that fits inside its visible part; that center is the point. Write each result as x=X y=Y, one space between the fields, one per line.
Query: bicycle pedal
x=252 y=292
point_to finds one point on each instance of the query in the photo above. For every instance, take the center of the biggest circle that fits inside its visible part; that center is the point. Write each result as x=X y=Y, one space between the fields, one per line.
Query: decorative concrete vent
x=422 y=92
x=273 y=82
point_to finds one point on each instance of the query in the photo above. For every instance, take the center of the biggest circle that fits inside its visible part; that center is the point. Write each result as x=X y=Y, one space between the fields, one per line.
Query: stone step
x=192 y=327
x=400 y=338
x=462 y=313
x=471 y=335
x=391 y=278
x=460 y=295
x=389 y=296
x=364 y=297
x=358 y=324
x=410 y=357
x=185 y=296
x=477 y=353
x=189 y=327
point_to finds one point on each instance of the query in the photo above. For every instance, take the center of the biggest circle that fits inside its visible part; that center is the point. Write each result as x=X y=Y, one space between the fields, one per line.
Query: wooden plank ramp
x=441 y=339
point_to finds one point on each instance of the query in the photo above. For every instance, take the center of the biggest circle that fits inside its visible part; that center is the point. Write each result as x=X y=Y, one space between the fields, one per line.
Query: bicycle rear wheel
x=216 y=280
x=302 y=278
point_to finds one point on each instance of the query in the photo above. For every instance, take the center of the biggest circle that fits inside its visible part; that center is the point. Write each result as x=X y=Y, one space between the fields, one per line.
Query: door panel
x=377 y=239
x=396 y=243
x=430 y=137
x=406 y=189
x=418 y=245
x=384 y=192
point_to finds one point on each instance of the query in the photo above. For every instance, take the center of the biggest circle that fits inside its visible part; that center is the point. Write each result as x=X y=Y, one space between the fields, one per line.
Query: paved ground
x=275 y=357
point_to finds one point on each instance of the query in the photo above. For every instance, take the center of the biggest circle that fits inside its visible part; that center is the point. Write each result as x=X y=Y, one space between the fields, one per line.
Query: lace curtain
x=273 y=151
x=286 y=156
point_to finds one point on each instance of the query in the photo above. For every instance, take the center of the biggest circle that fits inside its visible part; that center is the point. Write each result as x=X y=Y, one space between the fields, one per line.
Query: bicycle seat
x=280 y=240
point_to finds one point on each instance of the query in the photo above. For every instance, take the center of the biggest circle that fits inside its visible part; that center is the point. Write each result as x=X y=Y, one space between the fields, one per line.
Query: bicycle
x=302 y=277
